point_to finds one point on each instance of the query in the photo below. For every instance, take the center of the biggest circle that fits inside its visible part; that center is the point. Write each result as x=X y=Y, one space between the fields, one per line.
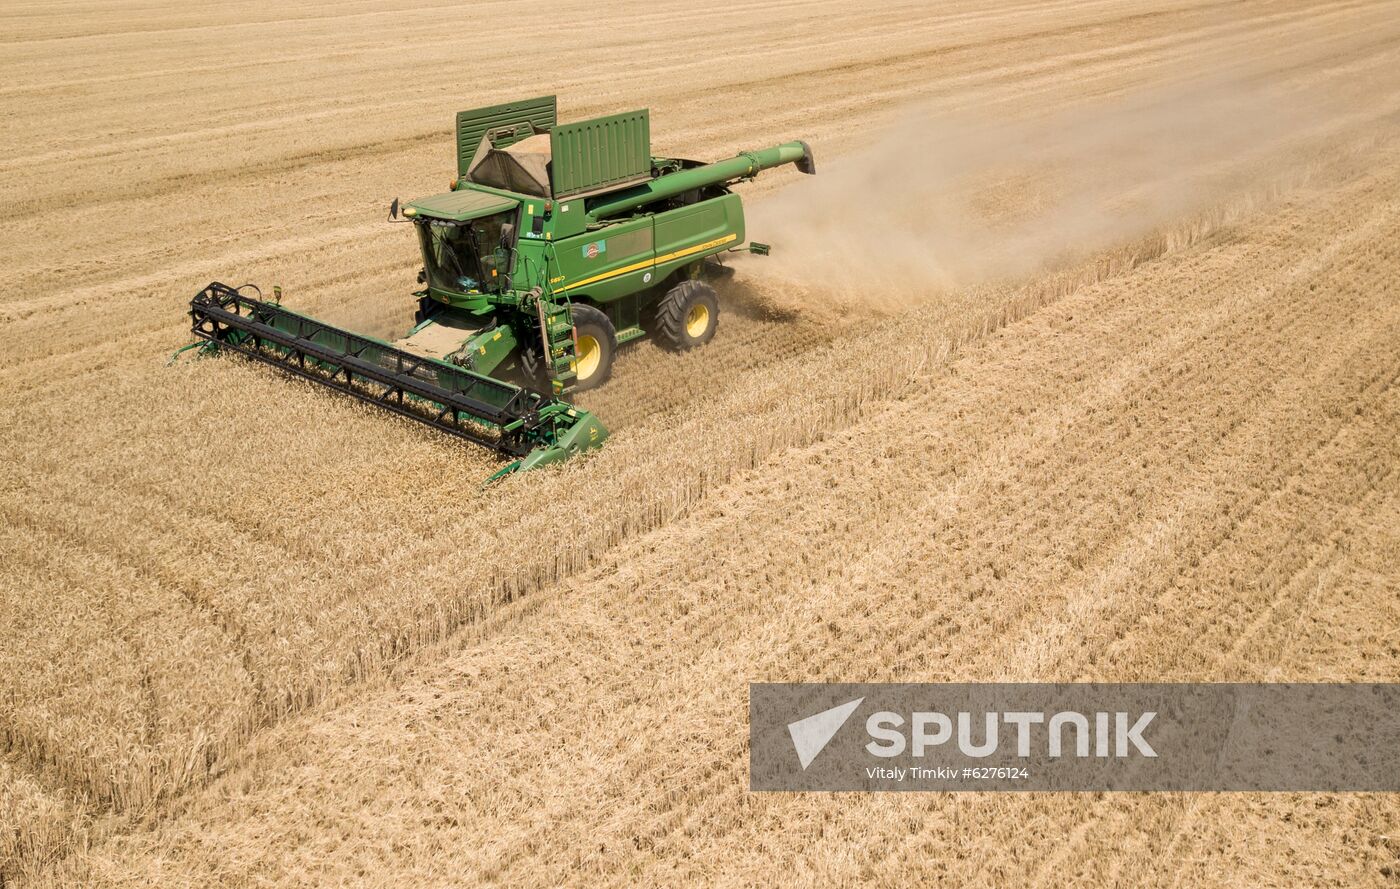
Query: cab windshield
x=453 y=252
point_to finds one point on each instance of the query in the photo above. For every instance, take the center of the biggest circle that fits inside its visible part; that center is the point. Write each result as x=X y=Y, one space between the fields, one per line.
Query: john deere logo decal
x=592 y=250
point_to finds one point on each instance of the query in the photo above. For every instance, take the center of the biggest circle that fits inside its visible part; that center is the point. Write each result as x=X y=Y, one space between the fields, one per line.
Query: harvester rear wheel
x=687 y=316
x=595 y=346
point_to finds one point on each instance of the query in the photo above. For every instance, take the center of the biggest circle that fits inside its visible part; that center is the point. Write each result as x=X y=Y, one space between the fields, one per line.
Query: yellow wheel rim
x=697 y=320
x=590 y=355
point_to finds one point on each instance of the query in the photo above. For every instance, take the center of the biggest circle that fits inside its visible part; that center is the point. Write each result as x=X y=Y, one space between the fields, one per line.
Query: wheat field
x=1076 y=361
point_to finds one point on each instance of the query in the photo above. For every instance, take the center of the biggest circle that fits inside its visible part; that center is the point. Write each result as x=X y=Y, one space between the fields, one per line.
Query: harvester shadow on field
x=751 y=300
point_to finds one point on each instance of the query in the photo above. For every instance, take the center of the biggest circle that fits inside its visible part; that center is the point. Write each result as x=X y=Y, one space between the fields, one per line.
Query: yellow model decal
x=717 y=242
x=636 y=266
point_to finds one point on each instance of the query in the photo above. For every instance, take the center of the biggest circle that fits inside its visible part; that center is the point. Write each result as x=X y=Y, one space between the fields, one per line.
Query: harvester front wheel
x=595 y=344
x=687 y=316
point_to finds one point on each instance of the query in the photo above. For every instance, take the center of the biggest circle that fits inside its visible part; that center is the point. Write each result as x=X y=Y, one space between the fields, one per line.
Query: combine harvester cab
x=555 y=245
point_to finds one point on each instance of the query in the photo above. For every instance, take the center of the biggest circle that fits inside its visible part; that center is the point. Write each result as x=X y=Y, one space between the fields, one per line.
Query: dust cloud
x=953 y=201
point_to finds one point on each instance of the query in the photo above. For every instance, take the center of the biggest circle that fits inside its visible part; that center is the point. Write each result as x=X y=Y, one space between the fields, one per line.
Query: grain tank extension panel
x=506 y=146
x=510 y=123
x=601 y=154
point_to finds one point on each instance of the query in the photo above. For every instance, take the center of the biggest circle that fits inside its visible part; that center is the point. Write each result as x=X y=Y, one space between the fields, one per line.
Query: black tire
x=592 y=324
x=675 y=318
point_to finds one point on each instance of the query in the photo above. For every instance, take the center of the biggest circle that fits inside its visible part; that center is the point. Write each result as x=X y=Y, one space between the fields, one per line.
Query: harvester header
x=556 y=245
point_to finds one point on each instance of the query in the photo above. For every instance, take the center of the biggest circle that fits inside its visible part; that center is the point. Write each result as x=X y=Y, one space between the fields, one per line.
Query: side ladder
x=560 y=346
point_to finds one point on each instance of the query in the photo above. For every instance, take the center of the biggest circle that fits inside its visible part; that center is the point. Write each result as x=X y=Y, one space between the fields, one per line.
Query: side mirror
x=507 y=236
x=394 y=210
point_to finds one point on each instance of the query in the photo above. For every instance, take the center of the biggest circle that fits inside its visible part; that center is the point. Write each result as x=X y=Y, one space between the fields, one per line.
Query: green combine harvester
x=556 y=245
